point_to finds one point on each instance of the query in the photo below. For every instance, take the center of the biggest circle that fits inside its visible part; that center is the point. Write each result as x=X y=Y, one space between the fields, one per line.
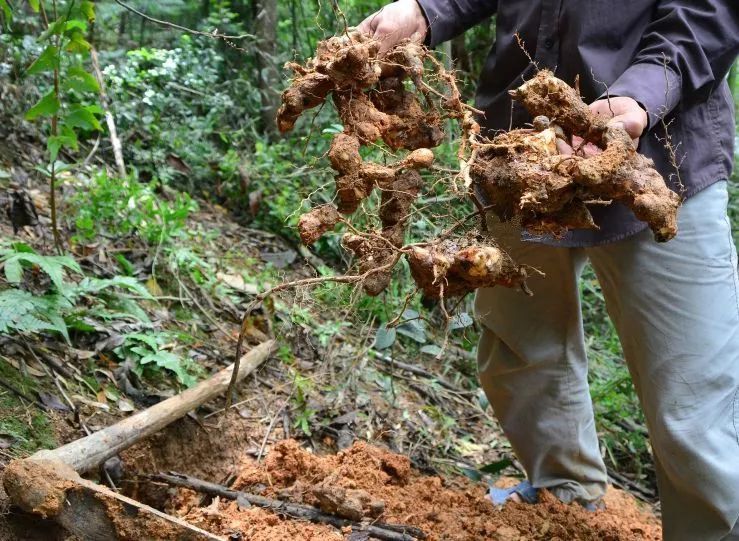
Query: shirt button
x=548 y=43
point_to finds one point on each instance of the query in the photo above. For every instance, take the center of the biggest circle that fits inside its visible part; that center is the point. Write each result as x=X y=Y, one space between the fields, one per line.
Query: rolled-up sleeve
x=449 y=18
x=684 y=53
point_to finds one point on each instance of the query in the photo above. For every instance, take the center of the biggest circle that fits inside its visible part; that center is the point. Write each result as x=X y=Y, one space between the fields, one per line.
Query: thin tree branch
x=168 y=24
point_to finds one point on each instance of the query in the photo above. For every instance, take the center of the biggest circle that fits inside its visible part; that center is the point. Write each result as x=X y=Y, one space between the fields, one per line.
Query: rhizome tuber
x=400 y=101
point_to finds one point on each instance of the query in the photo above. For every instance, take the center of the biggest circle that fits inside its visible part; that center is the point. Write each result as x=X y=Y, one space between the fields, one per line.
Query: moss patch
x=28 y=428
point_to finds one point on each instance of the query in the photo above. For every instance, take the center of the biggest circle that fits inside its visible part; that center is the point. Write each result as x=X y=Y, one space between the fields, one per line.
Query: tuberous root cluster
x=399 y=101
x=523 y=176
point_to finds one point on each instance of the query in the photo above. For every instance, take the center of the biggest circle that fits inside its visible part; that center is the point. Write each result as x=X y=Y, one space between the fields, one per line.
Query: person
x=657 y=67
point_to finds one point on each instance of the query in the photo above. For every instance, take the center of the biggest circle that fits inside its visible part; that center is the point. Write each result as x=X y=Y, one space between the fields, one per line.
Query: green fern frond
x=23 y=312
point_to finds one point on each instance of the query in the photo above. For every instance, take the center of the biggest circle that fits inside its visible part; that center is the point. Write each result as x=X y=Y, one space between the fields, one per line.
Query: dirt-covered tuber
x=522 y=176
x=399 y=101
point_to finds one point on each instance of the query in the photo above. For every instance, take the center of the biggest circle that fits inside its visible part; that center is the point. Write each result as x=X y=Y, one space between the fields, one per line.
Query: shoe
x=524 y=490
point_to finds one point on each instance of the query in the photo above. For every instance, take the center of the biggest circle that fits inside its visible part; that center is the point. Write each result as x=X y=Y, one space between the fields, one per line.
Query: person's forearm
x=685 y=52
x=449 y=18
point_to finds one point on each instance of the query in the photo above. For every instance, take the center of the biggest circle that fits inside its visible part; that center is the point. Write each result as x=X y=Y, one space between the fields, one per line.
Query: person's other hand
x=622 y=111
x=395 y=22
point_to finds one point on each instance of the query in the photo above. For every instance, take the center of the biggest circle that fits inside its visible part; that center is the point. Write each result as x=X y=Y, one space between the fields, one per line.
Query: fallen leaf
x=88 y=402
x=279 y=259
x=83 y=354
x=112 y=394
x=467 y=448
x=413 y=326
x=460 y=321
x=17 y=365
x=176 y=163
x=236 y=281
x=346 y=419
x=153 y=287
x=109 y=343
x=52 y=401
x=384 y=338
x=431 y=349
x=125 y=405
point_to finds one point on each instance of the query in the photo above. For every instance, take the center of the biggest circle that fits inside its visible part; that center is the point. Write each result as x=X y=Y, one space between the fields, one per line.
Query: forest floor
x=331 y=409
x=423 y=428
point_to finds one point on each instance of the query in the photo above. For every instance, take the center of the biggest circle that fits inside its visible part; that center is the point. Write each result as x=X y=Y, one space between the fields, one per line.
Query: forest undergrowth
x=159 y=265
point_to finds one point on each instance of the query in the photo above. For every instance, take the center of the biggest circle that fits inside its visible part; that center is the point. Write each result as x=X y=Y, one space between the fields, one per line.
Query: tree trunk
x=269 y=78
x=122 y=26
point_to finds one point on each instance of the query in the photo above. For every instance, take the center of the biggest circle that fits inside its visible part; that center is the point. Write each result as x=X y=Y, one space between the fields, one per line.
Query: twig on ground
x=21 y=394
x=421 y=372
x=48 y=360
x=387 y=532
x=641 y=492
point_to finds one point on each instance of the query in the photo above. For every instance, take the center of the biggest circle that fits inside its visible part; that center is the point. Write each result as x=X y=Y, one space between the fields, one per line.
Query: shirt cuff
x=437 y=13
x=656 y=87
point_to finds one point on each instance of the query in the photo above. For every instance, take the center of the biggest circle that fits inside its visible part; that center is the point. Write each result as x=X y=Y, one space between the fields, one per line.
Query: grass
x=28 y=426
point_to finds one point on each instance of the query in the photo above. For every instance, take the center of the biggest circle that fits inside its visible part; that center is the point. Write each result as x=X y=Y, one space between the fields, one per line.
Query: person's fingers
x=387 y=40
x=395 y=22
x=578 y=146
x=369 y=25
x=418 y=36
x=564 y=149
x=589 y=150
x=366 y=27
x=632 y=123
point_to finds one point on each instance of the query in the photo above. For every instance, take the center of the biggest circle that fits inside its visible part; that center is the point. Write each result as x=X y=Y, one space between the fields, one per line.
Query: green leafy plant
x=149 y=353
x=22 y=311
x=117 y=207
x=64 y=98
x=25 y=313
x=21 y=256
x=59 y=306
x=185 y=110
x=303 y=414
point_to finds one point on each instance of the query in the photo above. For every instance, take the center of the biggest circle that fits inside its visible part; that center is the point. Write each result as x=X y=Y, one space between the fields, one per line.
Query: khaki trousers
x=676 y=310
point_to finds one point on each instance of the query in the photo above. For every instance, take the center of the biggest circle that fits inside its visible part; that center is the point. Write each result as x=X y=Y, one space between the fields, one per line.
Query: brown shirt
x=671 y=56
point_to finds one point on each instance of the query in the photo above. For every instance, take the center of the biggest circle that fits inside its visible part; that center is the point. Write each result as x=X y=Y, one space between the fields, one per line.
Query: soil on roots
x=400 y=100
x=382 y=485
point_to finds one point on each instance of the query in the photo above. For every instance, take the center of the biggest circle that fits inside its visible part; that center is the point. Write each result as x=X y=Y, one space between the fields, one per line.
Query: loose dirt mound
x=371 y=481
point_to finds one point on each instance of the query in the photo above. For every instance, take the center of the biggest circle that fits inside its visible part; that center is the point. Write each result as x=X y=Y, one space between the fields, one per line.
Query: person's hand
x=395 y=22
x=625 y=112
x=622 y=111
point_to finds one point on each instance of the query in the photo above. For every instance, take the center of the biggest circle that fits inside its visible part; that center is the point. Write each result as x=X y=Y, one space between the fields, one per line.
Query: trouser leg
x=533 y=368
x=676 y=310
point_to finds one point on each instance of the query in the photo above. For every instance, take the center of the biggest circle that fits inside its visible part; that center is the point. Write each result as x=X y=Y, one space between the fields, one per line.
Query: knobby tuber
x=402 y=99
x=373 y=97
x=524 y=177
